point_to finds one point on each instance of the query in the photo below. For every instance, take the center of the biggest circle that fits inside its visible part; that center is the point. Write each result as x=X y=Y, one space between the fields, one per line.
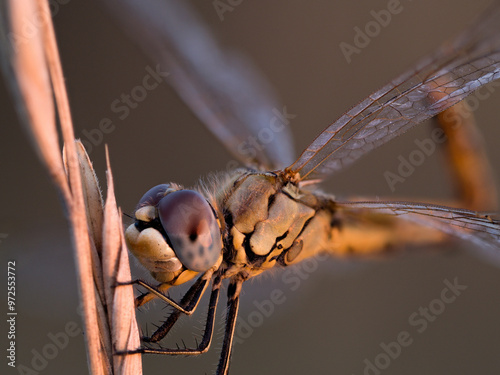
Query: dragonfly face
x=176 y=231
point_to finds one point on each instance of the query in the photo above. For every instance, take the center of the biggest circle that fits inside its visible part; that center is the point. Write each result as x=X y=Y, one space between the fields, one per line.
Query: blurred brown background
x=338 y=316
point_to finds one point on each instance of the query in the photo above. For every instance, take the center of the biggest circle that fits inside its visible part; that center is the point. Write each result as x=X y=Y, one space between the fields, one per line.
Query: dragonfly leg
x=471 y=170
x=206 y=340
x=189 y=302
x=148 y=296
x=233 y=300
x=198 y=287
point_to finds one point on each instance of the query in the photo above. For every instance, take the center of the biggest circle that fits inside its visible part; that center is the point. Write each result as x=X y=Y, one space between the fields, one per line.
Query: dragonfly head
x=175 y=230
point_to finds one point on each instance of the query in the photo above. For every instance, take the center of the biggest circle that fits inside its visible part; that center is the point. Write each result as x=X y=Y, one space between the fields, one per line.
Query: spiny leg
x=207 y=335
x=148 y=296
x=189 y=301
x=198 y=287
x=233 y=300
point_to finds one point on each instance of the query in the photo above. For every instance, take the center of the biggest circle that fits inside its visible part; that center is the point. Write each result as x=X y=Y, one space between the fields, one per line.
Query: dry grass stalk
x=32 y=68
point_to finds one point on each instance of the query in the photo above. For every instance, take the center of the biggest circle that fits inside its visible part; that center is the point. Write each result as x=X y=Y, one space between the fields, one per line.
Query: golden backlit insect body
x=238 y=224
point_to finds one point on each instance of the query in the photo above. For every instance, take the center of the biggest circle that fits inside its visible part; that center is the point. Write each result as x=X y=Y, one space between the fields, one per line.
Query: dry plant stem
x=34 y=100
x=76 y=204
x=34 y=73
x=94 y=218
x=31 y=87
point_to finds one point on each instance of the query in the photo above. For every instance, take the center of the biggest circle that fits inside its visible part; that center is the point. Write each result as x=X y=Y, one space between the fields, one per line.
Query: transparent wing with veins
x=222 y=88
x=481 y=229
x=457 y=69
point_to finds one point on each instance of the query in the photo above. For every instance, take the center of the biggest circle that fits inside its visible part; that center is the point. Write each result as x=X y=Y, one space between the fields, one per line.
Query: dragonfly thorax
x=271 y=222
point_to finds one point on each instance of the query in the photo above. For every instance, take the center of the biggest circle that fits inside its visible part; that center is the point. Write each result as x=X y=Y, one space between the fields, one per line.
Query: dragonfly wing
x=482 y=229
x=437 y=82
x=221 y=87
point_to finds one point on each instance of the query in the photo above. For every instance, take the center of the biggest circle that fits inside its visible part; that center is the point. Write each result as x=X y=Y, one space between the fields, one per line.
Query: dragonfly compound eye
x=154 y=195
x=191 y=227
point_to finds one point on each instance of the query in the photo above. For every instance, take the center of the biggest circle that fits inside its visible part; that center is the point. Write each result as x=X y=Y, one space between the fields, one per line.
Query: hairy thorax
x=269 y=221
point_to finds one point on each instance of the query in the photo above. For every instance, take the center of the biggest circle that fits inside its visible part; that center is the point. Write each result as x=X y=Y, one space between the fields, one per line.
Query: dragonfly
x=271 y=213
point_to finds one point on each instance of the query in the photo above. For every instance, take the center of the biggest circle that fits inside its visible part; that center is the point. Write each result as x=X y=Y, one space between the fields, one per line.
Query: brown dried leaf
x=91 y=193
x=120 y=300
